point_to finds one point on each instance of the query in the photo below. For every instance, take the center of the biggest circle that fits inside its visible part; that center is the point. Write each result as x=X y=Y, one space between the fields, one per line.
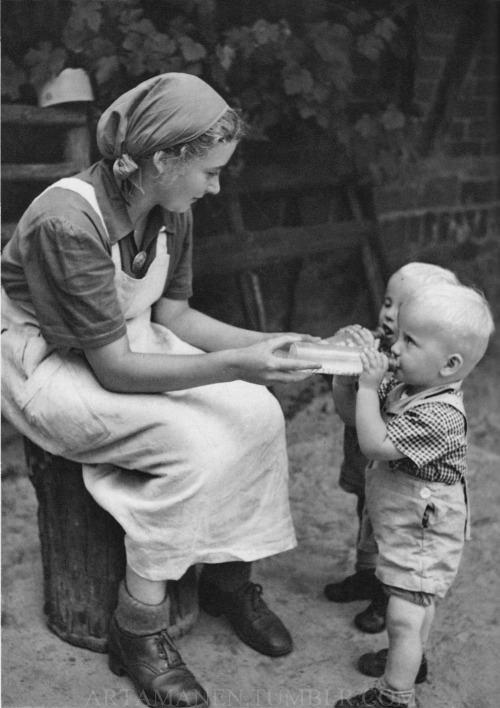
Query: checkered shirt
x=432 y=438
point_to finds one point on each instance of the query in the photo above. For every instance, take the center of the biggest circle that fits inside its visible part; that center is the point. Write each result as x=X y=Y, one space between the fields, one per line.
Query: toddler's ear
x=453 y=365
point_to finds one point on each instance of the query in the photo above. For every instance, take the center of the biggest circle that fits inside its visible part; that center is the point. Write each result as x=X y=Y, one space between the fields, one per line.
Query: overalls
x=419 y=527
x=192 y=476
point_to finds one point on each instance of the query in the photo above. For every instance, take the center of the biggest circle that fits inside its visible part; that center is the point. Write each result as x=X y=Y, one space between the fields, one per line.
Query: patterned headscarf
x=157 y=114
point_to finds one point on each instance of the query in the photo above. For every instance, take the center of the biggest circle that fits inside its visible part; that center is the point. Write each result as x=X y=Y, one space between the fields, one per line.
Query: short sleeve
x=423 y=433
x=70 y=276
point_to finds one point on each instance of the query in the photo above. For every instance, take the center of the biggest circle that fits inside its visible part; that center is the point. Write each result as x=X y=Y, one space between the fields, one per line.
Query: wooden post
x=83 y=557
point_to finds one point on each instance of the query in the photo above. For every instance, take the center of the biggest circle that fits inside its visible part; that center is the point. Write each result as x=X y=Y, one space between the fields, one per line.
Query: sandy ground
x=41 y=670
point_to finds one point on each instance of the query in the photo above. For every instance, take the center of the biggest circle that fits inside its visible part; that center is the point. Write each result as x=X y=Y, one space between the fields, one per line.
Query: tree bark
x=83 y=557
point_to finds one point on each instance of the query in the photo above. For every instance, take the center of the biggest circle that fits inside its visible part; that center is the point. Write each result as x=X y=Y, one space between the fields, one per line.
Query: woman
x=105 y=363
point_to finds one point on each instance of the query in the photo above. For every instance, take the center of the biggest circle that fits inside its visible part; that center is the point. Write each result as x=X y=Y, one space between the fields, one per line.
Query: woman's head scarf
x=157 y=114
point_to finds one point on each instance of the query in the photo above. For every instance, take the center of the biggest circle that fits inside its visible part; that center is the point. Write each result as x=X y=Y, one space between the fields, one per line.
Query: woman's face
x=199 y=177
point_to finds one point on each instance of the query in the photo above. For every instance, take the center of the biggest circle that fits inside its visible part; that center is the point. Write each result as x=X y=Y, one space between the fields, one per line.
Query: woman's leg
x=140 y=646
x=149 y=592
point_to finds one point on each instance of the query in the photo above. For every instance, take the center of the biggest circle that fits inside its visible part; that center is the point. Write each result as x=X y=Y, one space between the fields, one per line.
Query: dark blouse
x=58 y=264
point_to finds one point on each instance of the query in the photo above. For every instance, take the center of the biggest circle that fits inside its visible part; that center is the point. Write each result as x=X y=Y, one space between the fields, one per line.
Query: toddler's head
x=444 y=330
x=403 y=283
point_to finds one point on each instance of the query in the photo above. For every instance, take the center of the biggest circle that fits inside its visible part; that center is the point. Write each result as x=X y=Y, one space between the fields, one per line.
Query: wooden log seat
x=83 y=557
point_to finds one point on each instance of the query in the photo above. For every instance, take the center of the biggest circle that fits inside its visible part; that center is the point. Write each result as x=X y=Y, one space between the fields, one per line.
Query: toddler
x=413 y=429
x=363 y=585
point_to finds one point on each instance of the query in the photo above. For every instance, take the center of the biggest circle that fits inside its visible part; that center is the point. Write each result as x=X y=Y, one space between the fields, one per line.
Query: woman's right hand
x=267 y=362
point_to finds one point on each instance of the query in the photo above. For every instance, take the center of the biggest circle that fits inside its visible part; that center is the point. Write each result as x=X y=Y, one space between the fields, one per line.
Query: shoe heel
x=115 y=666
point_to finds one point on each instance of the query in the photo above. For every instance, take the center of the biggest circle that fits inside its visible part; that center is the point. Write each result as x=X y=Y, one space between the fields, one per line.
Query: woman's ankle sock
x=138 y=618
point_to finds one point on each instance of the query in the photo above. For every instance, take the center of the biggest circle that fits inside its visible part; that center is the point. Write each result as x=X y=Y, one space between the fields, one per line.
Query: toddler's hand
x=354 y=334
x=375 y=365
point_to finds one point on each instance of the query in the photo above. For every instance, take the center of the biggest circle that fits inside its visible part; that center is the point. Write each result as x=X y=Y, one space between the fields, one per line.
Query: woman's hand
x=375 y=365
x=267 y=362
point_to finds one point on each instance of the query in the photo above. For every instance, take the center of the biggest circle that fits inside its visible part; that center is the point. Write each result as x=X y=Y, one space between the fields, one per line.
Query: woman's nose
x=214 y=185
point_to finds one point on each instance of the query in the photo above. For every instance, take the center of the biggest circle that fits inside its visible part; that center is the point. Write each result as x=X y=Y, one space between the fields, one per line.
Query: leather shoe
x=359 y=586
x=249 y=616
x=159 y=674
x=373 y=664
x=372 y=619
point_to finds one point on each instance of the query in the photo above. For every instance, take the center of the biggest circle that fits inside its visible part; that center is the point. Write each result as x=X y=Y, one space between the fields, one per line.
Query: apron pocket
x=55 y=405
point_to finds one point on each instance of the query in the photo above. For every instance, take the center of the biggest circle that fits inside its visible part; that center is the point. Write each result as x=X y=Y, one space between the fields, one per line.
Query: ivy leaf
x=370 y=45
x=392 y=118
x=163 y=43
x=365 y=126
x=385 y=28
x=106 y=68
x=226 y=55
x=45 y=63
x=85 y=13
x=191 y=51
x=13 y=77
x=297 y=80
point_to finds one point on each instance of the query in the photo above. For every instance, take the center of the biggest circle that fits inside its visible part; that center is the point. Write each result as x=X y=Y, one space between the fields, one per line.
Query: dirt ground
x=40 y=670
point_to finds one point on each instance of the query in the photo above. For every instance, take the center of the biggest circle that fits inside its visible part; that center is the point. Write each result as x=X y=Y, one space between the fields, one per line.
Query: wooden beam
x=17 y=114
x=38 y=172
x=232 y=252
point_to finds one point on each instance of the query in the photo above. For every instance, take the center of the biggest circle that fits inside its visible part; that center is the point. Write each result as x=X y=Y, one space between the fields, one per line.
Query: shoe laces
x=253 y=595
x=167 y=649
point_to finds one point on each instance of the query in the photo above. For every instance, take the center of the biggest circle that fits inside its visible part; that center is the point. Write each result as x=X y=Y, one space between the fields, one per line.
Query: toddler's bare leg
x=405 y=622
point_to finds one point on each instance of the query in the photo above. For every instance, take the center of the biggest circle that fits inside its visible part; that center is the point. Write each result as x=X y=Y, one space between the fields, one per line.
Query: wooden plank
x=272 y=178
x=17 y=114
x=38 y=172
x=253 y=249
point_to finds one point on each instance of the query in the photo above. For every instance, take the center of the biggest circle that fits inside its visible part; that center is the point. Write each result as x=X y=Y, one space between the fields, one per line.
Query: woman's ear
x=159 y=162
x=453 y=365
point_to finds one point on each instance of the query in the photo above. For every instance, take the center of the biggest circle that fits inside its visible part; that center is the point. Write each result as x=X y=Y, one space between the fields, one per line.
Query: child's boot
x=380 y=696
x=359 y=586
x=373 y=664
x=372 y=619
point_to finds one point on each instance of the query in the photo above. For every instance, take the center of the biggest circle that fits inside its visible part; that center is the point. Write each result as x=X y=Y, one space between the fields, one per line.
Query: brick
x=486 y=89
x=463 y=148
x=442 y=191
x=429 y=69
x=475 y=192
x=479 y=129
x=424 y=90
x=456 y=130
x=470 y=109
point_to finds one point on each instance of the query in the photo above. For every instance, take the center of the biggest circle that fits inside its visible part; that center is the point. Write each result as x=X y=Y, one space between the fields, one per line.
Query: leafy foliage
x=340 y=79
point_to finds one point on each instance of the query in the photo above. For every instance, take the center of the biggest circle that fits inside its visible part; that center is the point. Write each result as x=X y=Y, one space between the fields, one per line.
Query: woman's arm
x=200 y=330
x=370 y=426
x=248 y=356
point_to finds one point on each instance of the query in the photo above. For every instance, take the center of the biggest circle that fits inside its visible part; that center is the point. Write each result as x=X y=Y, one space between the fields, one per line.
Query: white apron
x=193 y=476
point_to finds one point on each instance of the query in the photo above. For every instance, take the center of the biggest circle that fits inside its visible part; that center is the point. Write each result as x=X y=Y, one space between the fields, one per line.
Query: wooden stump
x=83 y=557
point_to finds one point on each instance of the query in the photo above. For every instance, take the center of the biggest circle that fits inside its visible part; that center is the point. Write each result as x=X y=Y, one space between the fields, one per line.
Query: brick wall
x=448 y=210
